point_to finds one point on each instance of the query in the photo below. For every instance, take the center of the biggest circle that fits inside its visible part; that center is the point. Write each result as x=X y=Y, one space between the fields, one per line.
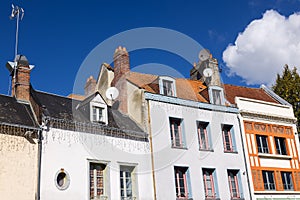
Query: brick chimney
x=121 y=64
x=121 y=68
x=90 y=86
x=20 y=77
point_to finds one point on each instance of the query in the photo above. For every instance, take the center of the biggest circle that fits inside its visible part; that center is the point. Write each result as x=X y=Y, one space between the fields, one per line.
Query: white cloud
x=265 y=46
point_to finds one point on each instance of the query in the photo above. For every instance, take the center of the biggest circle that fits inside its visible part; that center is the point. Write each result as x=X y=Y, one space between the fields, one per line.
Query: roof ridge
x=49 y=93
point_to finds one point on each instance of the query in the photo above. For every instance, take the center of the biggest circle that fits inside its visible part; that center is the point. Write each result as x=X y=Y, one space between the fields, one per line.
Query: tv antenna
x=112 y=93
x=18 y=13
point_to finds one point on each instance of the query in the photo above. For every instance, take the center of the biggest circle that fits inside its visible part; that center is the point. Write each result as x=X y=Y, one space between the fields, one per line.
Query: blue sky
x=56 y=36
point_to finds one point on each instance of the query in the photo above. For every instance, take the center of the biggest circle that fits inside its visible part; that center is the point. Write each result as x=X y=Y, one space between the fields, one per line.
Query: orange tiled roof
x=232 y=91
x=185 y=88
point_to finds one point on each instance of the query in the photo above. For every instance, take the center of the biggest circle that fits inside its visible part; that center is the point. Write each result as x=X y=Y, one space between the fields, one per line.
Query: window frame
x=123 y=179
x=178 y=187
x=180 y=132
x=260 y=144
x=124 y=169
x=208 y=175
x=284 y=177
x=229 y=145
x=93 y=180
x=234 y=173
x=203 y=136
x=267 y=182
x=166 y=79
x=212 y=91
x=280 y=145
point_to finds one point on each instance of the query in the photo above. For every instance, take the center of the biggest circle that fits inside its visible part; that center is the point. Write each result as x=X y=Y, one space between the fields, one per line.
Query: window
x=176 y=132
x=98 y=114
x=233 y=184
x=268 y=178
x=280 y=146
x=181 y=182
x=262 y=144
x=228 y=138
x=96 y=180
x=209 y=185
x=127 y=183
x=168 y=88
x=62 y=179
x=203 y=136
x=216 y=97
x=287 y=180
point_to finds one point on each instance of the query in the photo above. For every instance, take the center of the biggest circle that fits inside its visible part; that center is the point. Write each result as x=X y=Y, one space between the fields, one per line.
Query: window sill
x=175 y=147
x=267 y=155
x=208 y=150
x=212 y=198
x=235 y=152
x=184 y=198
x=277 y=192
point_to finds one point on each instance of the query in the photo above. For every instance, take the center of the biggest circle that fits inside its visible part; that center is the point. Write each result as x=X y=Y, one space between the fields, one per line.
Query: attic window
x=98 y=114
x=216 y=95
x=167 y=86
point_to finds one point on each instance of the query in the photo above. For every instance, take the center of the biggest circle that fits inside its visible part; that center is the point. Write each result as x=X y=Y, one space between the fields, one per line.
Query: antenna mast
x=17 y=12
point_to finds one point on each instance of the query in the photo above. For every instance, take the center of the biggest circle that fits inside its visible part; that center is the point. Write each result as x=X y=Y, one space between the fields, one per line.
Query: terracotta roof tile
x=185 y=88
x=232 y=91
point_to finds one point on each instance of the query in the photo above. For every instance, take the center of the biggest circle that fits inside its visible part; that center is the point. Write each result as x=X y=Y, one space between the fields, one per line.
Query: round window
x=62 y=179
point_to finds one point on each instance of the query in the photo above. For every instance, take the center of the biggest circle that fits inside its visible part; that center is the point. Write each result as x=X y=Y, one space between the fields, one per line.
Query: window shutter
x=279 y=185
x=189 y=185
x=234 y=148
x=184 y=144
x=296 y=180
x=216 y=183
x=240 y=184
x=209 y=135
x=257 y=180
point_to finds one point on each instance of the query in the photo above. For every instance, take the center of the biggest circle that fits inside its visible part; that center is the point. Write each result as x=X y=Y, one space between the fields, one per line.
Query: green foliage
x=287 y=86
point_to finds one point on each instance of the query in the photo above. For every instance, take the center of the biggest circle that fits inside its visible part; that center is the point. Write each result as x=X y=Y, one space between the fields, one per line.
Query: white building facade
x=197 y=150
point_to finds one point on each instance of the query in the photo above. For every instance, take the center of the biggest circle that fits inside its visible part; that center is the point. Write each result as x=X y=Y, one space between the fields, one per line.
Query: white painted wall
x=73 y=150
x=166 y=157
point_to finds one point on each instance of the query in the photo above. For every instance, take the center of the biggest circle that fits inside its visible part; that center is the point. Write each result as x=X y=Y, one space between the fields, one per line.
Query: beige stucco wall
x=18 y=168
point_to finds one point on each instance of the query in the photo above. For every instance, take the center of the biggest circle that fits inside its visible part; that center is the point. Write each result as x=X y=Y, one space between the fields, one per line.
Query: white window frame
x=129 y=167
x=260 y=144
x=105 y=186
x=280 y=148
x=287 y=180
x=212 y=99
x=269 y=184
x=172 y=81
x=98 y=106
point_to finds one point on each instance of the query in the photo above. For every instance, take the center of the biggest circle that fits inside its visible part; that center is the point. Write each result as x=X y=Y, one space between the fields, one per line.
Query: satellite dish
x=207 y=72
x=112 y=93
x=204 y=54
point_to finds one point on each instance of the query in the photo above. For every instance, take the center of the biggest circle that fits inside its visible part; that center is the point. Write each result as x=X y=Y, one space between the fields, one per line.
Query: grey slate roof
x=62 y=108
x=16 y=113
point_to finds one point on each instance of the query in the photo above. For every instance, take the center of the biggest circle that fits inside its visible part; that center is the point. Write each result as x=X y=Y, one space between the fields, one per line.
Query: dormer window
x=98 y=114
x=216 y=95
x=167 y=86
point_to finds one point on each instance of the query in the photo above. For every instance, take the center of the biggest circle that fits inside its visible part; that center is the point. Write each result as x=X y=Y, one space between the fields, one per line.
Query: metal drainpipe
x=151 y=150
x=39 y=162
x=244 y=155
